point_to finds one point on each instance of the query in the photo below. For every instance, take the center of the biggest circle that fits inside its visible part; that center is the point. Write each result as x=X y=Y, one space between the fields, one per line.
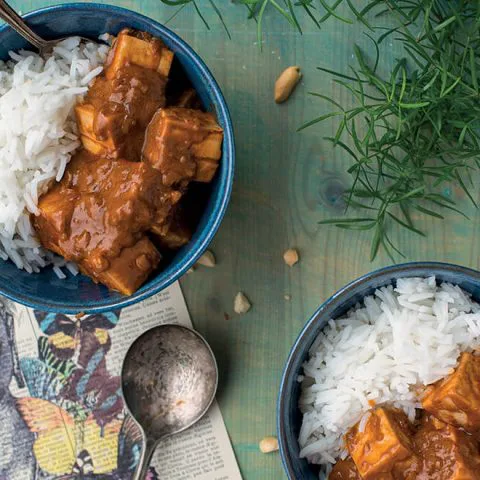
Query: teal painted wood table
x=285 y=183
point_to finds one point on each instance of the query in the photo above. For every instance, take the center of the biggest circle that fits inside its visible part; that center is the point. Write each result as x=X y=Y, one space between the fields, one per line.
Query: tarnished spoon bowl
x=169 y=380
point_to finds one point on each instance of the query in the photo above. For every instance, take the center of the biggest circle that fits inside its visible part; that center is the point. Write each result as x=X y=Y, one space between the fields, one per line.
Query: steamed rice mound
x=383 y=351
x=38 y=135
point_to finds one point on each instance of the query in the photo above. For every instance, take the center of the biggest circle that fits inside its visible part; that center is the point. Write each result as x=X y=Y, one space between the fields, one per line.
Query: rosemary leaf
x=258 y=9
x=416 y=130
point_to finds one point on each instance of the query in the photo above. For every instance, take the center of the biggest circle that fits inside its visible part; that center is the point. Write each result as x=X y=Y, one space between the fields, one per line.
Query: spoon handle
x=147 y=453
x=16 y=22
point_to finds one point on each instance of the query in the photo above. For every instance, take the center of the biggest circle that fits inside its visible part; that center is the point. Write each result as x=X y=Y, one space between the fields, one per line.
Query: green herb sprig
x=317 y=11
x=415 y=130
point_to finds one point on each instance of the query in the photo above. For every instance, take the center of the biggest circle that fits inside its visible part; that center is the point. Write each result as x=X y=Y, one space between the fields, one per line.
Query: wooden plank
x=285 y=182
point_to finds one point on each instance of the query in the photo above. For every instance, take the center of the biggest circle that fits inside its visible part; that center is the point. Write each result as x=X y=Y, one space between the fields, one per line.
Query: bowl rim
x=220 y=205
x=334 y=300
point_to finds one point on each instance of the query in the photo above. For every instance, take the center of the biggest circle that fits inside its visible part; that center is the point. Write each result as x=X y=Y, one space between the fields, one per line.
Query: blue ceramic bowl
x=44 y=291
x=288 y=415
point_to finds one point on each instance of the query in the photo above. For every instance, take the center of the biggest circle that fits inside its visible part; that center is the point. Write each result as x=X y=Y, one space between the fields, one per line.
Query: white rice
x=382 y=351
x=38 y=135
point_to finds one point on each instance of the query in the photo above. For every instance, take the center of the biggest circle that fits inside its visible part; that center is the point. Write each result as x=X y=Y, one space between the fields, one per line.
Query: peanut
x=268 y=444
x=207 y=259
x=286 y=83
x=290 y=257
x=241 y=303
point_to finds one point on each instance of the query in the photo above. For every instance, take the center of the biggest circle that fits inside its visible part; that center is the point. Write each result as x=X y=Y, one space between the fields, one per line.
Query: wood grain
x=285 y=183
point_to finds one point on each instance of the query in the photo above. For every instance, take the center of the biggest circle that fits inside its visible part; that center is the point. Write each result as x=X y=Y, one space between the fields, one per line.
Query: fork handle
x=18 y=24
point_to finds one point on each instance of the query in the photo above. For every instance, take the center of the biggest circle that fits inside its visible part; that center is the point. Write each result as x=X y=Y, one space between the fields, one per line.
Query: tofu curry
x=118 y=207
x=442 y=444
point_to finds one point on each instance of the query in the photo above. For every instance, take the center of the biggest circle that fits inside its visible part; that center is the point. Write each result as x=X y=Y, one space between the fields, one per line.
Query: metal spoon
x=10 y=16
x=169 y=380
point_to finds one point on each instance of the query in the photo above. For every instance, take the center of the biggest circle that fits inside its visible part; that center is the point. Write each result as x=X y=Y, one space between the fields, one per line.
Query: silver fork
x=9 y=15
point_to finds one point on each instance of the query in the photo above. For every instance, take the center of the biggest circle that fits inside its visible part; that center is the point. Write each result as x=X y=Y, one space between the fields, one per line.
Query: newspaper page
x=61 y=410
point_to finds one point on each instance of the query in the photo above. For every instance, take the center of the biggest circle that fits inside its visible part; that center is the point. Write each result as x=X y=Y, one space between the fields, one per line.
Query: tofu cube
x=100 y=207
x=96 y=148
x=131 y=98
x=56 y=209
x=132 y=192
x=210 y=148
x=142 y=50
x=89 y=119
x=184 y=145
x=85 y=114
x=456 y=398
x=127 y=272
x=116 y=113
x=447 y=452
x=384 y=442
x=107 y=146
x=173 y=235
x=189 y=99
x=206 y=170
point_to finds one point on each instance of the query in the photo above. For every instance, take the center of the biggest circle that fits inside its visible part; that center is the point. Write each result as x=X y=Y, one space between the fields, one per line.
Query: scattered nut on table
x=286 y=83
x=291 y=257
x=268 y=444
x=287 y=297
x=207 y=259
x=241 y=303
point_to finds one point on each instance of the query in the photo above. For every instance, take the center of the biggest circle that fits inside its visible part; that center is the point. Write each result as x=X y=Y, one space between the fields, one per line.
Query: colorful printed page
x=61 y=410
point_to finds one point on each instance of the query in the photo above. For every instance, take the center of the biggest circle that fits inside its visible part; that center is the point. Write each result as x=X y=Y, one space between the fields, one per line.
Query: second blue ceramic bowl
x=289 y=418
x=44 y=291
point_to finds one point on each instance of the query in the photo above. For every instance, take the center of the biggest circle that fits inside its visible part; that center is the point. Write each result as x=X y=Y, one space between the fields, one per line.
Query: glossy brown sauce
x=125 y=105
x=116 y=207
x=173 y=155
x=110 y=204
x=442 y=445
x=345 y=470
